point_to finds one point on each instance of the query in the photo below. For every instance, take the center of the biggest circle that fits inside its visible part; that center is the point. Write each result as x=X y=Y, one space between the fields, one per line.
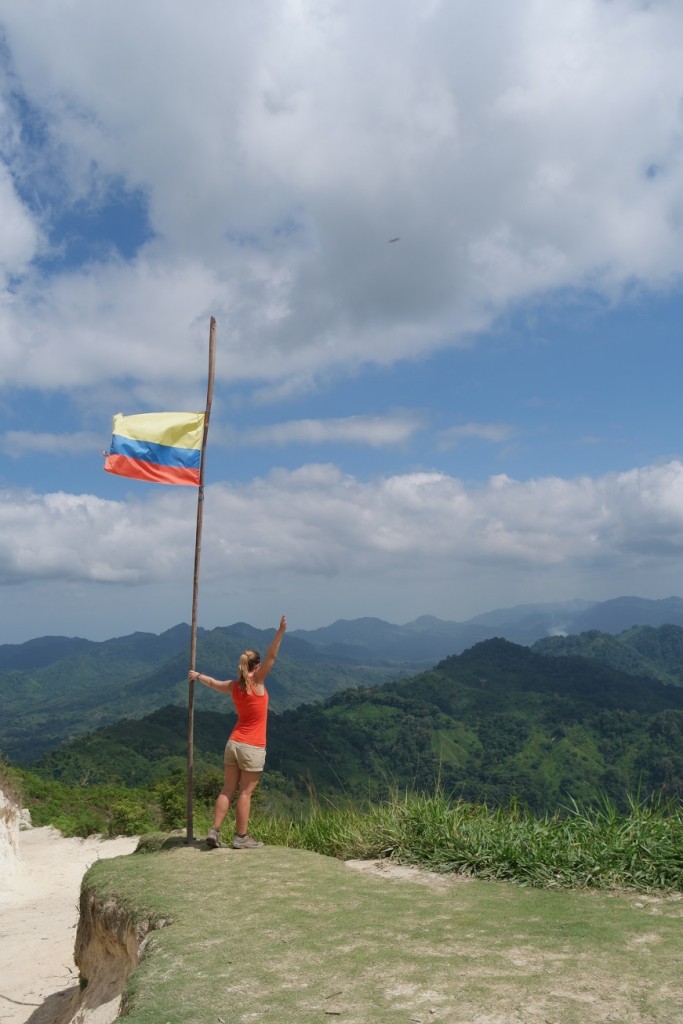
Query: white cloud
x=317 y=538
x=515 y=149
x=493 y=432
x=17 y=443
x=19 y=237
x=376 y=431
x=82 y=538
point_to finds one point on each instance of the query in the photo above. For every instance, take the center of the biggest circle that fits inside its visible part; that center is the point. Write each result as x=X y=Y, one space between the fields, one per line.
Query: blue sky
x=483 y=413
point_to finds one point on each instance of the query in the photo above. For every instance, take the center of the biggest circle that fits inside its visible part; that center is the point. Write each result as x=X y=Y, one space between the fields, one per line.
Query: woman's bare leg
x=223 y=800
x=248 y=782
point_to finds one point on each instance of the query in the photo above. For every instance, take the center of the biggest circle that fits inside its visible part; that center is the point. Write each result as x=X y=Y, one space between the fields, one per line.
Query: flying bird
x=394 y=240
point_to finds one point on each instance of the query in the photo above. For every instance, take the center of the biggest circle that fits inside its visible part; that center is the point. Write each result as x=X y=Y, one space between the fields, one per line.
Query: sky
x=443 y=244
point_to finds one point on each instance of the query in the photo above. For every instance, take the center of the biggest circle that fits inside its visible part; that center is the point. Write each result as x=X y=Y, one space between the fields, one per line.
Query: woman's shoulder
x=256 y=688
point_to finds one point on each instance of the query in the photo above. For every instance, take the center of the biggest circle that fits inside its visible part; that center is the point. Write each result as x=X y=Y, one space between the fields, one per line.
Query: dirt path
x=38 y=918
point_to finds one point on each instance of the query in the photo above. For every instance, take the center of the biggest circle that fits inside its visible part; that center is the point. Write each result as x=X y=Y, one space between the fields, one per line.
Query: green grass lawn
x=293 y=937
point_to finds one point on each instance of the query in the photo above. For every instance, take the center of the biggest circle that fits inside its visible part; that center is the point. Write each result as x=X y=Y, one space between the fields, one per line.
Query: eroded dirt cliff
x=109 y=945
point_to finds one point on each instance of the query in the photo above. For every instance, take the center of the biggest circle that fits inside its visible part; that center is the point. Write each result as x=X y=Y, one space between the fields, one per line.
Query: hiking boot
x=245 y=843
x=213 y=839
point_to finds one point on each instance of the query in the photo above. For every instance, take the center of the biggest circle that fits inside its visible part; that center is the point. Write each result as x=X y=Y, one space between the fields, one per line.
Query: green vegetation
x=513 y=743
x=11 y=783
x=593 y=847
x=578 y=848
x=641 y=651
x=87 y=810
x=494 y=724
x=113 y=809
x=55 y=689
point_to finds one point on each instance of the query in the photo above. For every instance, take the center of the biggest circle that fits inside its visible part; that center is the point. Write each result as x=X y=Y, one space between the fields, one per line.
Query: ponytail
x=249 y=660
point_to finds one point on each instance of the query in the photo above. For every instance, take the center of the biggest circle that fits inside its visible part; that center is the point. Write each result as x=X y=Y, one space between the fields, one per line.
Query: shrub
x=10 y=783
x=130 y=817
x=172 y=802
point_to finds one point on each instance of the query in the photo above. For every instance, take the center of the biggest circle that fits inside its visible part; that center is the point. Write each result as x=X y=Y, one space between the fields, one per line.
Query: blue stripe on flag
x=158 y=454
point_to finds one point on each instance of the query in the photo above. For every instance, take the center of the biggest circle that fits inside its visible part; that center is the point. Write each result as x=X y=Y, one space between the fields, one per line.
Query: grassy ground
x=293 y=937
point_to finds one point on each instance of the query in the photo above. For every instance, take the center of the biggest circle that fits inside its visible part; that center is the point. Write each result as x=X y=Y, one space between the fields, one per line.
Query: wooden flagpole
x=195 y=585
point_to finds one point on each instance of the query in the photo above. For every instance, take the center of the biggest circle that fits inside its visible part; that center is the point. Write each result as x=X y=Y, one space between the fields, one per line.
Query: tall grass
x=596 y=847
x=578 y=847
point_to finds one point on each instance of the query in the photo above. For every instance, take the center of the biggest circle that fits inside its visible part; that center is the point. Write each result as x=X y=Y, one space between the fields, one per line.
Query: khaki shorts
x=245 y=756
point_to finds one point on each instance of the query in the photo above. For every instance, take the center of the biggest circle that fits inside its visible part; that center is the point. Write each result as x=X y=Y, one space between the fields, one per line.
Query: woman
x=245 y=753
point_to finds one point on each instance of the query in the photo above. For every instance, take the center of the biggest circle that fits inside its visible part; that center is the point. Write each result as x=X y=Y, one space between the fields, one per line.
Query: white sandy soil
x=38 y=919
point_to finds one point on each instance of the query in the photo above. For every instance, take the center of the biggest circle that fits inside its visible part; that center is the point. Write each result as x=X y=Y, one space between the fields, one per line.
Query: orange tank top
x=252 y=714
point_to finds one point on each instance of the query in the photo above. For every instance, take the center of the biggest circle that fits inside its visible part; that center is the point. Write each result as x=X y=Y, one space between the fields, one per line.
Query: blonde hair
x=249 y=660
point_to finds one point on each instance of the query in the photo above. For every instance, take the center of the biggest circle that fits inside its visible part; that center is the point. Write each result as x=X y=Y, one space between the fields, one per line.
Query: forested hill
x=494 y=722
x=56 y=688
x=640 y=651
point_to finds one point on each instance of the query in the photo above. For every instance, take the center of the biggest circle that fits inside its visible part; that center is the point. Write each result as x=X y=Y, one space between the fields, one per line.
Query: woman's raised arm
x=264 y=668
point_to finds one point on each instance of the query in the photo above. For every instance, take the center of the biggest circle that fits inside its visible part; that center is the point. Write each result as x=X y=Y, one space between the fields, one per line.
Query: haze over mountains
x=417 y=644
x=428 y=639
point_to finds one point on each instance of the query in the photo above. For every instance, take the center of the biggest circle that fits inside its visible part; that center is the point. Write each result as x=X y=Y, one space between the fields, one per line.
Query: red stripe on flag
x=121 y=465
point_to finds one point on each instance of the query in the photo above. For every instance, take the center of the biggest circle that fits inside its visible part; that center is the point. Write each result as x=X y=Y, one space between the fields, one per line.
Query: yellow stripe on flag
x=175 y=429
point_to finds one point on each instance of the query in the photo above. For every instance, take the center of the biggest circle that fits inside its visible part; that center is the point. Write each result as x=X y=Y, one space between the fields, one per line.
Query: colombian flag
x=162 y=447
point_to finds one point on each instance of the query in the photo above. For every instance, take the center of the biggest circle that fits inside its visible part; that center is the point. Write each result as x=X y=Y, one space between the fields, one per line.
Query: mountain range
x=57 y=688
x=495 y=723
x=427 y=639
